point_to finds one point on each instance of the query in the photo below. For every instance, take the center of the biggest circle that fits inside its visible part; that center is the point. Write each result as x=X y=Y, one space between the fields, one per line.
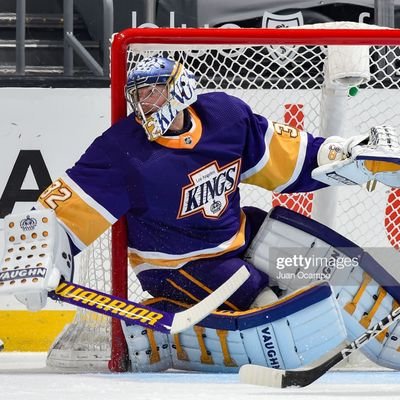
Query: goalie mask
x=158 y=89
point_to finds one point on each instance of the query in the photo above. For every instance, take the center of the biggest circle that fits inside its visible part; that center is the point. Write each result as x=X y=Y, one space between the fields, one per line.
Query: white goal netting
x=287 y=84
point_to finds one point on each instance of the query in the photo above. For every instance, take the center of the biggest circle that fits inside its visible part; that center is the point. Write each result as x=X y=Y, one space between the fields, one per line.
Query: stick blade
x=262 y=376
x=185 y=319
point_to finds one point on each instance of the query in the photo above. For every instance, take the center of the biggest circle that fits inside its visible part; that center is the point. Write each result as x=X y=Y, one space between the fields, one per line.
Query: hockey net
x=281 y=74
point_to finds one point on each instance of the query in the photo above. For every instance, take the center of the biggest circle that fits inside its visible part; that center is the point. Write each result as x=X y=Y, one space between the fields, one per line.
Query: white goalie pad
x=378 y=160
x=289 y=333
x=296 y=251
x=36 y=255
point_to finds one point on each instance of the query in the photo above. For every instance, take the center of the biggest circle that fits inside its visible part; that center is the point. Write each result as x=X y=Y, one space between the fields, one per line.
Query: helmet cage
x=150 y=100
x=171 y=81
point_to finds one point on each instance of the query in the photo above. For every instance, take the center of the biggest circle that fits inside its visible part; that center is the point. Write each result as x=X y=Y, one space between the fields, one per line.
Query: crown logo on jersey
x=209 y=190
x=215 y=206
x=28 y=224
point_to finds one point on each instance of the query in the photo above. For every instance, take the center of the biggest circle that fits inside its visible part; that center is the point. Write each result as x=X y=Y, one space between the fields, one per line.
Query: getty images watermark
x=312 y=267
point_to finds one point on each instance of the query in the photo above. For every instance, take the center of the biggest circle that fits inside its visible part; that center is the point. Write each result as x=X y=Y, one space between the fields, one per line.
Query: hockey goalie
x=172 y=167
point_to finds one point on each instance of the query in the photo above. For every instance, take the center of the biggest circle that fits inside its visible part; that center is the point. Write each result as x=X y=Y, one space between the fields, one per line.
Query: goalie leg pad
x=364 y=303
x=301 y=328
x=149 y=351
x=37 y=254
x=295 y=251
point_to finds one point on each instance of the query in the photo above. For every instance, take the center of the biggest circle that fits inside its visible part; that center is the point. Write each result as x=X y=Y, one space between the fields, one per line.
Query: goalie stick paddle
x=279 y=378
x=149 y=317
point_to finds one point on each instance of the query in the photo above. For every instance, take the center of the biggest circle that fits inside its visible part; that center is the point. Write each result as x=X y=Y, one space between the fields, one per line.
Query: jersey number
x=285 y=130
x=51 y=198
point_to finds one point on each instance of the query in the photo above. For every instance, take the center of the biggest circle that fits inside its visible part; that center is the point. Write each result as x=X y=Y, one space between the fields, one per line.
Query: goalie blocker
x=37 y=255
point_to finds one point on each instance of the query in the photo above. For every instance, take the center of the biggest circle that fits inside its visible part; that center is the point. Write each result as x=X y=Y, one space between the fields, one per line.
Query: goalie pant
x=301 y=328
x=365 y=291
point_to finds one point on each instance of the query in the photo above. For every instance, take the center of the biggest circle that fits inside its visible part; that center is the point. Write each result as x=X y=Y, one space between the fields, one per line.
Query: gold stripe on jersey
x=284 y=150
x=184 y=291
x=82 y=220
x=186 y=140
x=204 y=287
x=148 y=262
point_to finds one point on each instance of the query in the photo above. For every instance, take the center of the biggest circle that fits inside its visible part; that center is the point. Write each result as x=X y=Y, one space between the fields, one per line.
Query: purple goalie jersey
x=180 y=193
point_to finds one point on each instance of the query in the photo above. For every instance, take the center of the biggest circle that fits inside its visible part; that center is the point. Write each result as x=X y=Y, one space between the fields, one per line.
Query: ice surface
x=24 y=376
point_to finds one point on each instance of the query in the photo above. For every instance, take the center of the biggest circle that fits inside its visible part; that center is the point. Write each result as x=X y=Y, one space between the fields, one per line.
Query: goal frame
x=203 y=36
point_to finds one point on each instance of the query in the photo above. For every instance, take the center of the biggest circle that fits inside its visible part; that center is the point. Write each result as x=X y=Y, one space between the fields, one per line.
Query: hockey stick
x=162 y=321
x=264 y=376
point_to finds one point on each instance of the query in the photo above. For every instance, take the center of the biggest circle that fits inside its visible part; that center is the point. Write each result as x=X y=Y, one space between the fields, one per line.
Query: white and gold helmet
x=170 y=89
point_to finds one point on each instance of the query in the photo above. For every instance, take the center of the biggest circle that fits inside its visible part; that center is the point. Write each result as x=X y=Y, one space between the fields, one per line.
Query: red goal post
x=205 y=37
x=257 y=45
